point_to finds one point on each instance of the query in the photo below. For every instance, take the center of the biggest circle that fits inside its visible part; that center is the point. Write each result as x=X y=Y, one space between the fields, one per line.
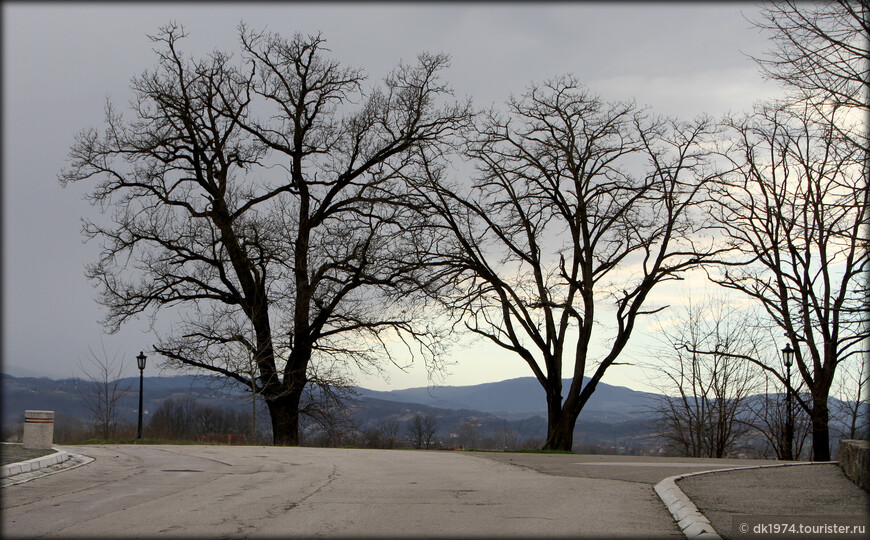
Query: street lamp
x=787 y=359
x=140 y=360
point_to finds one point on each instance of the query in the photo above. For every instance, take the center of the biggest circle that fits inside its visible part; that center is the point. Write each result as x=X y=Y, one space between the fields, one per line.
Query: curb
x=690 y=520
x=42 y=467
x=34 y=464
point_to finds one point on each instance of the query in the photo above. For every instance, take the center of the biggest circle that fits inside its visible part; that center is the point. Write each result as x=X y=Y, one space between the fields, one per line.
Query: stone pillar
x=38 y=429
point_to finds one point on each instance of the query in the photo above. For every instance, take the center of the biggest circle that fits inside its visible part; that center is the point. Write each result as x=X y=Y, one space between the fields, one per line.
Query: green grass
x=13 y=453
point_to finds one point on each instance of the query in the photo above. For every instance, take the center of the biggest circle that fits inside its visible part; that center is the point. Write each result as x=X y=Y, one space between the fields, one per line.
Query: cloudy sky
x=61 y=62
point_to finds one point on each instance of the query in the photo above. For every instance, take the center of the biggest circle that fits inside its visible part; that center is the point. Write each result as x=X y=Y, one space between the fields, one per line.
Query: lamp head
x=787 y=356
x=140 y=360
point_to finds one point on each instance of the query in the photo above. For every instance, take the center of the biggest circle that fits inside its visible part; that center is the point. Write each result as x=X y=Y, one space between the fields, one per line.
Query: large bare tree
x=820 y=53
x=794 y=205
x=579 y=209
x=796 y=201
x=255 y=201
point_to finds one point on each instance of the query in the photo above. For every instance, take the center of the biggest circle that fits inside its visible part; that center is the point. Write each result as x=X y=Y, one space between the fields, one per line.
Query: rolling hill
x=614 y=416
x=521 y=398
x=516 y=404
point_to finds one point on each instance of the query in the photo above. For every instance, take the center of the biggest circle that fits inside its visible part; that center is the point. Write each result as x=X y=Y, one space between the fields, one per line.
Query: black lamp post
x=787 y=359
x=140 y=360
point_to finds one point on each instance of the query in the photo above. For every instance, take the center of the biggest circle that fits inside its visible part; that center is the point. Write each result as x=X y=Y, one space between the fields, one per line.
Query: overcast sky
x=61 y=62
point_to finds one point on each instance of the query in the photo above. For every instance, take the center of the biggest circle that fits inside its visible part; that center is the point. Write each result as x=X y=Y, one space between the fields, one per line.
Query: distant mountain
x=512 y=399
x=521 y=398
x=615 y=415
x=516 y=404
x=17 y=371
x=64 y=396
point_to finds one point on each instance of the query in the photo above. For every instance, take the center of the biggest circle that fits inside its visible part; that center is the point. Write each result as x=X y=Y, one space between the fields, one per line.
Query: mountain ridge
x=519 y=397
x=512 y=399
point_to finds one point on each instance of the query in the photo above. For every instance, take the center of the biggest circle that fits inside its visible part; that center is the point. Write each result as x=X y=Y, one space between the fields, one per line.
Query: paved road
x=643 y=470
x=220 y=491
x=805 y=491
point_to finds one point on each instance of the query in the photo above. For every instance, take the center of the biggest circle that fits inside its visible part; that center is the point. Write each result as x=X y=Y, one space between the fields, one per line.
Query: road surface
x=241 y=491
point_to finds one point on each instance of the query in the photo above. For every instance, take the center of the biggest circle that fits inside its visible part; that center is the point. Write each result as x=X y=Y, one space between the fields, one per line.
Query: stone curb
x=73 y=461
x=690 y=520
x=34 y=464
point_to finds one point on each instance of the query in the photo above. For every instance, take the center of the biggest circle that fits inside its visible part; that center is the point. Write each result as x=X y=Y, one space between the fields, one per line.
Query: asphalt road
x=809 y=494
x=636 y=469
x=222 y=491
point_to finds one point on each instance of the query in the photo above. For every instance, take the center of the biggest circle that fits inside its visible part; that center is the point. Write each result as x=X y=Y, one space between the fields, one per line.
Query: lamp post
x=787 y=359
x=140 y=360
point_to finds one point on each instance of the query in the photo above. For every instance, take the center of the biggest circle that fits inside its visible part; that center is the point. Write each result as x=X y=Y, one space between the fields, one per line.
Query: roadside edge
x=690 y=520
x=59 y=456
x=25 y=471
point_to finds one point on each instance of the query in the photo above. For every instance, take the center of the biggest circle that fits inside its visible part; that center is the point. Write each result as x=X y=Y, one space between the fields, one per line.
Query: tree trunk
x=560 y=421
x=560 y=434
x=284 y=413
x=821 y=441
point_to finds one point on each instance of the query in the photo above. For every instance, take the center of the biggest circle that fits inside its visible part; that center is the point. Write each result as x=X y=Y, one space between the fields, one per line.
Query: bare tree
x=430 y=428
x=259 y=196
x=769 y=416
x=852 y=410
x=469 y=432
x=389 y=434
x=705 y=396
x=422 y=429
x=580 y=209
x=185 y=419
x=415 y=431
x=386 y=435
x=173 y=420
x=821 y=54
x=795 y=202
x=252 y=377
x=103 y=389
x=792 y=206
x=510 y=437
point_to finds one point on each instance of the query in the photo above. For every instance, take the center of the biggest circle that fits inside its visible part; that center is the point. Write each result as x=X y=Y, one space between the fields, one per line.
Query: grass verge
x=15 y=452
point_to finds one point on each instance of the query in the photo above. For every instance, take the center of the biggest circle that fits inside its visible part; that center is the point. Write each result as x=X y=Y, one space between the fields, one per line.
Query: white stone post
x=38 y=429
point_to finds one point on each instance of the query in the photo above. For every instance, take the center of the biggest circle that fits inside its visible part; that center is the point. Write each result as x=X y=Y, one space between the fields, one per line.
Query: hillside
x=512 y=399
x=521 y=398
x=63 y=396
x=614 y=416
x=489 y=410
